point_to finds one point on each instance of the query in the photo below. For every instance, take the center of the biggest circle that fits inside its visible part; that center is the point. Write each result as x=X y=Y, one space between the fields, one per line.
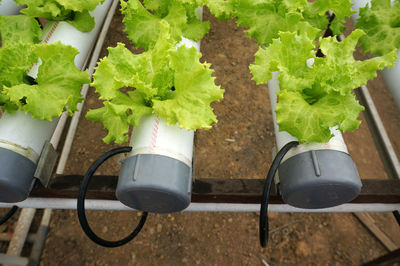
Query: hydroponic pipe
x=392 y=80
x=157 y=175
x=314 y=175
x=22 y=137
x=390 y=76
x=9 y=7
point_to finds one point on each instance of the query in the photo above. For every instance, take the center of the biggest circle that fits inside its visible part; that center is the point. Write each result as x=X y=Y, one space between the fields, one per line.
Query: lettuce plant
x=143 y=22
x=75 y=12
x=315 y=97
x=166 y=80
x=58 y=83
x=381 y=22
x=264 y=19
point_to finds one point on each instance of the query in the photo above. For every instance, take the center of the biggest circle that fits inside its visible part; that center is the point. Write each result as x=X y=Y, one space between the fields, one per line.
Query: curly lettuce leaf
x=266 y=18
x=349 y=73
x=189 y=104
x=58 y=87
x=143 y=27
x=277 y=57
x=49 y=9
x=308 y=87
x=381 y=22
x=168 y=81
x=18 y=35
x=221 y=9
x=19 y=29
x=75 y=12
x=15 y=61
x=148 y=72
x=316 y=14
x=311 y=122
x=118 y=114
x=79 y=5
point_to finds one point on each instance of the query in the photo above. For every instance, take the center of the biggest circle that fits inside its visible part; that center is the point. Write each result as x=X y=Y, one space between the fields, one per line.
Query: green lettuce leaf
x=221 y=9
x=143 y=27
x=306 y=88
x=75 y=12
x=79 y=5
x=266 y=18
x=189 y=104
x=19 y=29
x=58 y=84
x=82 y=21
x=311 y=122
x=381 y=22
x=149 y=72
x=316 y=14
x=18 y=35
x=168 y=81
x=118 y=114
x=15 y=61
x=277 y=57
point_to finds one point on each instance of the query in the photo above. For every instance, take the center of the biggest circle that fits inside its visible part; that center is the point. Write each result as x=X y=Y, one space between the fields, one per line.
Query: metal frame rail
x=229 y=195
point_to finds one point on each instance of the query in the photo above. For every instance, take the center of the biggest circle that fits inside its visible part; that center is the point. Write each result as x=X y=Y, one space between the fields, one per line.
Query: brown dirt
x=223 y=238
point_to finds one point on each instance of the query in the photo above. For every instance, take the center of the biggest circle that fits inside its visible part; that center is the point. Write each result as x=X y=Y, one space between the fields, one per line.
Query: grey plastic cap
x=16 y=176
x=319 y=179
x=154 y=183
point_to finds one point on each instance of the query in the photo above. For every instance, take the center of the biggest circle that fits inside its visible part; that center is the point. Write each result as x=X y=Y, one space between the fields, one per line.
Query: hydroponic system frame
x=211 y=194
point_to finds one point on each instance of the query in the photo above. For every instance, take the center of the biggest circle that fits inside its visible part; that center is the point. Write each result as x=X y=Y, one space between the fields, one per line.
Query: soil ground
x=239 y=146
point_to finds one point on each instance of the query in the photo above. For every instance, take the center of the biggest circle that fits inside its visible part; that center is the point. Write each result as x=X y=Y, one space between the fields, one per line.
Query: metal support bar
x=212 y=190
x=6 y=259
x=93 y=62
x=40 y=239
x=5 y=237
x=70 y=204
x=388 y=259
x=21 y=232
x=375 y=124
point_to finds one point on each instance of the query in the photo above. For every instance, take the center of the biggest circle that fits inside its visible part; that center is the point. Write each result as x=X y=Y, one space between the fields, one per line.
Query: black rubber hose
x=8 y=215
x=81 y=204
x=263 y=226
x=397 y=216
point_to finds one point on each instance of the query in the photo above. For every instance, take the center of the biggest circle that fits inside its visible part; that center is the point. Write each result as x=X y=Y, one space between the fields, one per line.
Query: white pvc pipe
x=21 y=231
x=20 y=132
x=154 y=136
x=67 y=34
x=283 y=137
x=25 y=135
x=75 y=119
x=70 y=204
x=392 y=79
x=9 y=7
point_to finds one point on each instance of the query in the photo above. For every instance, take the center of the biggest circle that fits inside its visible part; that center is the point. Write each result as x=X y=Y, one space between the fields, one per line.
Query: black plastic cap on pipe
x=154 y=183
x=319 y=179
x=16 y=176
